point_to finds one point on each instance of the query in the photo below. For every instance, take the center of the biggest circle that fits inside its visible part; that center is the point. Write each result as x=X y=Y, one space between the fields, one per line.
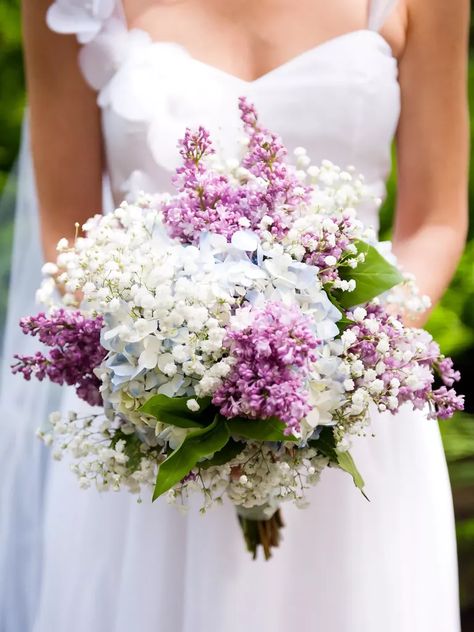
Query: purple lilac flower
x=272 y=357
x=75 y=352
x=209 y=201
x=266 y=159
x=328 y=244
x=447 y=373
x=206 y=200
x=447 y=402
x=426 y=363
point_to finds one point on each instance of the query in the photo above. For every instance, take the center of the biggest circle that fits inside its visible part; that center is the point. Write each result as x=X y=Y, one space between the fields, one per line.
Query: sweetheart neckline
x=296 y=58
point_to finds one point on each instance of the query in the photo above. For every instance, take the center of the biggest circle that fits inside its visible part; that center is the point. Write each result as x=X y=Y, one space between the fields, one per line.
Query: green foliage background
x=452 y=321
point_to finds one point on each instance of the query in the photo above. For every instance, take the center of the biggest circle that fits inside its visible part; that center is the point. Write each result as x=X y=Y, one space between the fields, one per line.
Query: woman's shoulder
x=100 y=29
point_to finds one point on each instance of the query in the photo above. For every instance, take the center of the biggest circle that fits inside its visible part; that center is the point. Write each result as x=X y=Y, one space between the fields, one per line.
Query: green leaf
x=326 y=445
x=271 y=429
x=346 y=463
x=373 y=277
x=331 y=296
x=174 y=411
x=344 y=323
x=196 y=446
x=228 y=452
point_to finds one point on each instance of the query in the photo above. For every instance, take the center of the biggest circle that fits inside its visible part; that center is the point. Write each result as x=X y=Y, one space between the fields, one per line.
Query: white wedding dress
x=345 y=565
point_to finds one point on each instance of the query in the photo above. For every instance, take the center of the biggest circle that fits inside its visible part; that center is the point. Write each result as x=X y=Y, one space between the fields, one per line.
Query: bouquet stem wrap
x=261 y=526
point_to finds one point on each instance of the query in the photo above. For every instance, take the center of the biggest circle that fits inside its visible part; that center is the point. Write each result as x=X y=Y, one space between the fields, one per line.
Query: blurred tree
x=11 y=84
x=11 y=113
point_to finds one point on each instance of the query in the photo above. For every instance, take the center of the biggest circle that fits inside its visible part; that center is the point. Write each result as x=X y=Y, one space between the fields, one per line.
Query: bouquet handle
x=261 y=526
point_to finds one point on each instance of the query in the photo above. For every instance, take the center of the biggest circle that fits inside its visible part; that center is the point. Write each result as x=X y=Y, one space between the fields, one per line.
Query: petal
x=152 y=343
x=148 y=359
x=326 y=329
x=245 y=240
x=312 y=418
x=171 y=388
x=306 y=276
x=124 y=370
x=165 y=359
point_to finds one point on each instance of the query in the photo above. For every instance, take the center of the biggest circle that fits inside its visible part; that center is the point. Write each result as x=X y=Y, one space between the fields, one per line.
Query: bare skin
x=248 y=39
x=65 y=129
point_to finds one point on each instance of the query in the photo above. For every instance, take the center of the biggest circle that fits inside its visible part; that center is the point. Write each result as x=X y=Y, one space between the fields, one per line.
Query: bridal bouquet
x=232 y=336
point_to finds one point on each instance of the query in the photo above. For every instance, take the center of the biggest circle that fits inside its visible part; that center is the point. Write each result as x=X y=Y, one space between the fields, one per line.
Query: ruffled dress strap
x=378 y=12
x=83 y=18
x=100 y=26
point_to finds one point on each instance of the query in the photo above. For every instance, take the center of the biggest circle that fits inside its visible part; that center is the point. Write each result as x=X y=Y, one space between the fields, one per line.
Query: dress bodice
x=340 y=100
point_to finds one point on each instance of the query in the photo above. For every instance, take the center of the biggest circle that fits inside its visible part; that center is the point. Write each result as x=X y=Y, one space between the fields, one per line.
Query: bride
x=339 y=78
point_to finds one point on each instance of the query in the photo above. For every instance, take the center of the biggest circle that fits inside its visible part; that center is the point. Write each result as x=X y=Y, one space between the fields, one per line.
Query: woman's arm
x=432 y=143
x=65 y=129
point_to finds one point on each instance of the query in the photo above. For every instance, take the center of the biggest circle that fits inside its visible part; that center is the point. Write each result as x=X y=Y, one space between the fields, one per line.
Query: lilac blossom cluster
x=268 y=196
x=396 y=365
x=266 y=160
x=209 y=200
x=330 y=247
x=75 y=352
x=206 y=200
x=272 y=358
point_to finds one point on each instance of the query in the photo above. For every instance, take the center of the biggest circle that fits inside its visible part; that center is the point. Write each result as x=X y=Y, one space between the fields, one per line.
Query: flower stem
x=264 y=533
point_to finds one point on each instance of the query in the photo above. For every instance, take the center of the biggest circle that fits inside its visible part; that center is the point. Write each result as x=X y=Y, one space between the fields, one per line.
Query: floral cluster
x=259 y=189
x=262 y=475
x=229 y=330
x=75 y=352
x=119 y=459
x=271 y=365
x=167 y=307
x=390 y=365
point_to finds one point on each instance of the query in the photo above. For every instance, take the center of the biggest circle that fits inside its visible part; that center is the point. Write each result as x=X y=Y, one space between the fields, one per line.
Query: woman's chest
x=246 y=39
x=340 y=100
